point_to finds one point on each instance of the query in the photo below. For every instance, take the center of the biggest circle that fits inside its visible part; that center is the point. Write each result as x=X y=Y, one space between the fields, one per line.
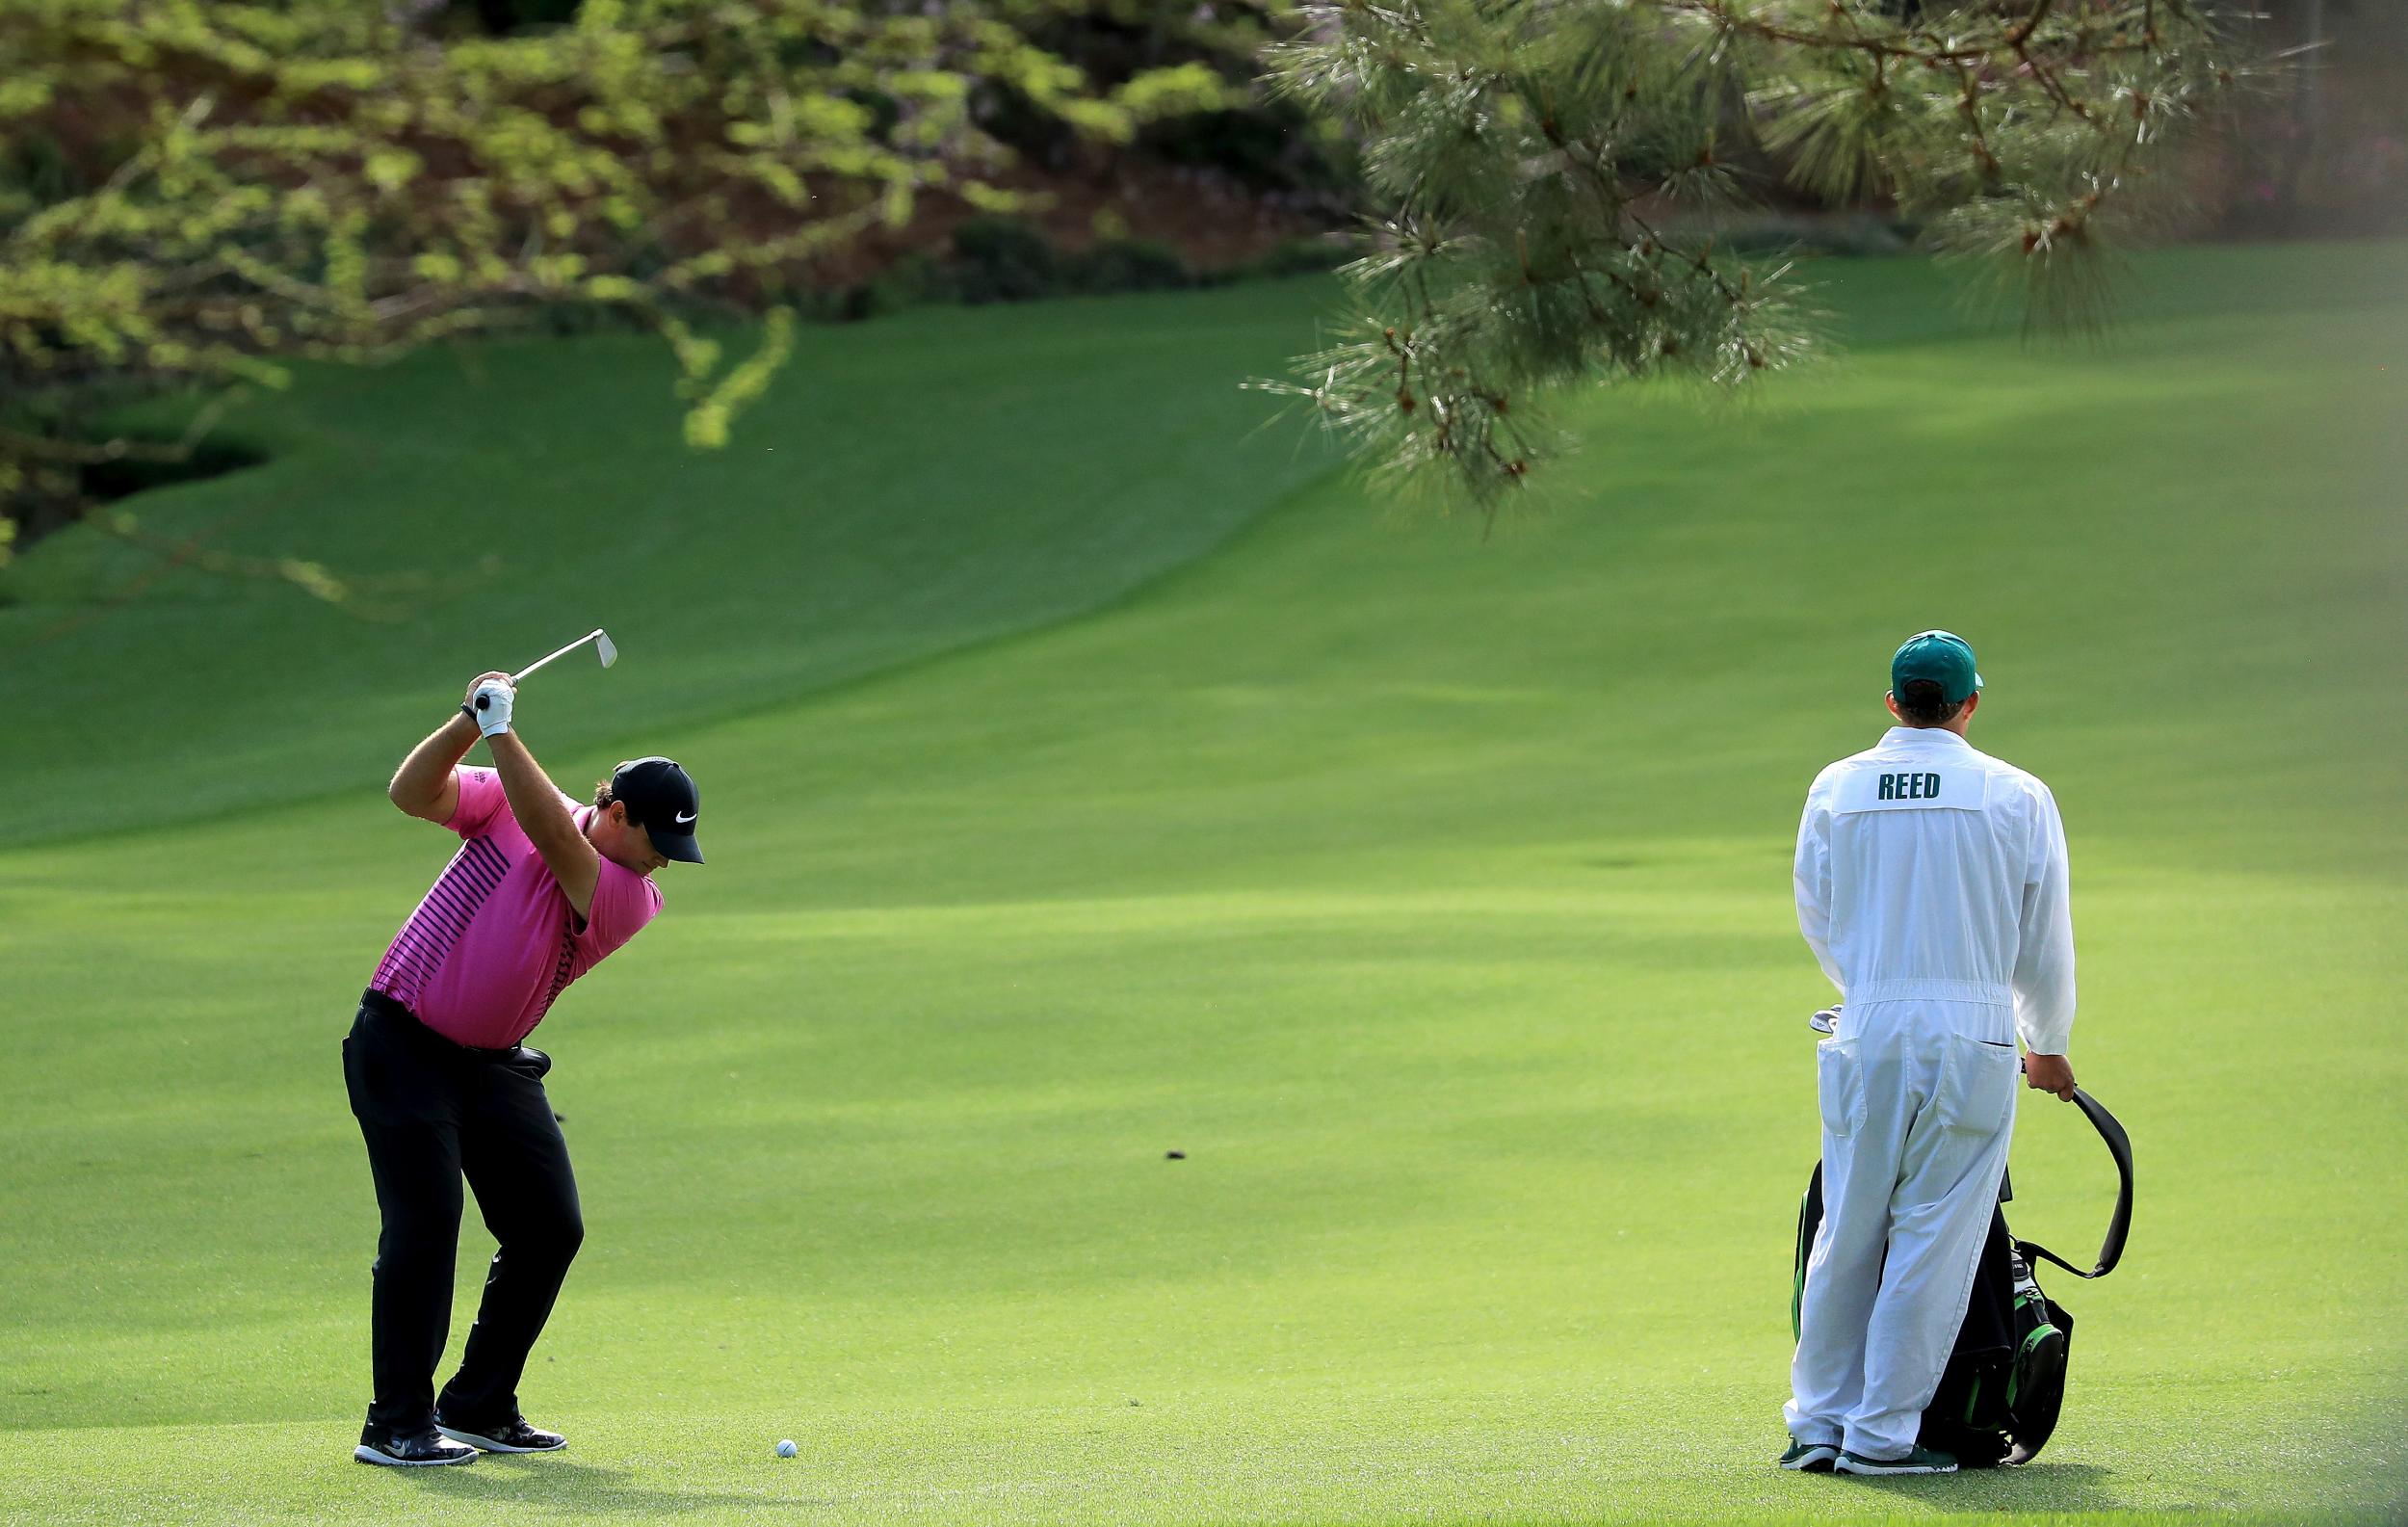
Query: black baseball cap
x=662 y=800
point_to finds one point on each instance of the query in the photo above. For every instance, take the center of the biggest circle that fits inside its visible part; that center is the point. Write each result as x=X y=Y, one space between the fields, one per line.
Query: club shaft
x=588 y=637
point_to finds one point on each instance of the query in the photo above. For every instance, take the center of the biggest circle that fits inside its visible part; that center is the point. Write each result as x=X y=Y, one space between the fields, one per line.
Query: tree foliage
x=196 y=193
x=1542 y=168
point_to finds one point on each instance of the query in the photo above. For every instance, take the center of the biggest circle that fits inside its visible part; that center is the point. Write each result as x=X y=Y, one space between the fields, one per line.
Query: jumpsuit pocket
x=1840 y=1086
x=1977 y=1093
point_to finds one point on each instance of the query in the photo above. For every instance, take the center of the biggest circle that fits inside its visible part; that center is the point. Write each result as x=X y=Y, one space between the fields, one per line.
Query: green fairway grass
x=904 y=489
x=1429 y=891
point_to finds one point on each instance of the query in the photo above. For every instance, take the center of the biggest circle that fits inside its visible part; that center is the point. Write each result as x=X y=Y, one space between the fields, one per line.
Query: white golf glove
x=490 y=707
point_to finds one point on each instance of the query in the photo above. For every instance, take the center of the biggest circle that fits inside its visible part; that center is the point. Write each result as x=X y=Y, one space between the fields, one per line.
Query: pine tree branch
x=1523 y=148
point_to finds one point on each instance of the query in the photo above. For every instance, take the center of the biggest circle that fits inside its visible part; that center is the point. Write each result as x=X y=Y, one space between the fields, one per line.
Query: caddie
x=441 y=1080
x=1931 y=886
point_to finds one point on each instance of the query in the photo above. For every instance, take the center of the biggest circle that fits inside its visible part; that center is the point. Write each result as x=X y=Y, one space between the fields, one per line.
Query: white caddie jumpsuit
x=1932 y=886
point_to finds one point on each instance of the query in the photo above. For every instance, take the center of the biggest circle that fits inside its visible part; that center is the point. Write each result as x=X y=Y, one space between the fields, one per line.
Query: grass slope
x=906 y=487
x=1429 y=894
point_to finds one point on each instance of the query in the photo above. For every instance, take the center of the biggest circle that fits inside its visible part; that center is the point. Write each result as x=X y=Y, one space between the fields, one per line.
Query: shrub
x=919 y=278
x=1297 y=257
x=1130 y=265
x=1270 y=147
x=1004 y=260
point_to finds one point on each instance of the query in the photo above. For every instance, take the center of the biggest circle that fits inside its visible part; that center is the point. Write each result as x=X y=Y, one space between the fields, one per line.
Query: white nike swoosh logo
x=684 y=817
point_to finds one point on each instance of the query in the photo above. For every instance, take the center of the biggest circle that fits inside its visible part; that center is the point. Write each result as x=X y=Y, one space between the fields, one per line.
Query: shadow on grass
x=2034 y=1488
x=564 y=1487
x=571 y=1489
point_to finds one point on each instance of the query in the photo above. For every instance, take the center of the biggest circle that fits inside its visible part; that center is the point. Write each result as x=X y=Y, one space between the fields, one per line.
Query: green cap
x=1944 y=657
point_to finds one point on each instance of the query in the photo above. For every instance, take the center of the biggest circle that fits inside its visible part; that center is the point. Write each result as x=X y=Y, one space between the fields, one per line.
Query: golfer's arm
x=544 y=817
x=425 y=785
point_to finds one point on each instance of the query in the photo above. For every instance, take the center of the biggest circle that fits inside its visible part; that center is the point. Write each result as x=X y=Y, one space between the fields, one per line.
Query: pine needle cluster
x=1546 y=173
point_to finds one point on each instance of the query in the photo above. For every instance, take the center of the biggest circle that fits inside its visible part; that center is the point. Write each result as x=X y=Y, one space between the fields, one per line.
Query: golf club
x=602 y=647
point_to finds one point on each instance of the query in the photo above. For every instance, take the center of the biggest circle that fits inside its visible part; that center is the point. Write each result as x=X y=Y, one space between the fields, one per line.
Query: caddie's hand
x=489 y=706
x=2049 y=1074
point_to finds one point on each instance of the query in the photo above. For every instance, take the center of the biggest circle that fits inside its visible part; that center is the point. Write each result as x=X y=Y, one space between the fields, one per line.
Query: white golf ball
x=787 y=1448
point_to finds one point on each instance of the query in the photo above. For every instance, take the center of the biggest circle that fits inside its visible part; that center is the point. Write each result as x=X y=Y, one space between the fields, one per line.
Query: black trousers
x=431 y=1112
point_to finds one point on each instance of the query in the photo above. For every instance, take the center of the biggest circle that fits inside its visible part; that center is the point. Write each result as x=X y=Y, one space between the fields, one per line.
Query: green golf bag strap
x=2120 y=1147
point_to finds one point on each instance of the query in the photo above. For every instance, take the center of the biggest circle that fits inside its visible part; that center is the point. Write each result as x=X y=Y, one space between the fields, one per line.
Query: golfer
x=443 y=1086
x=1931 y=886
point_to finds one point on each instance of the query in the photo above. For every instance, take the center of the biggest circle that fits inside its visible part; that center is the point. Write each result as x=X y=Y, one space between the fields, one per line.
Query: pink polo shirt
x=495 y=941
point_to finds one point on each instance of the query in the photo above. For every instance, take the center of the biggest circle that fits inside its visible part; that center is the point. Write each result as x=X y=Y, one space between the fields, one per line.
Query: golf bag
x=1998 y=1399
